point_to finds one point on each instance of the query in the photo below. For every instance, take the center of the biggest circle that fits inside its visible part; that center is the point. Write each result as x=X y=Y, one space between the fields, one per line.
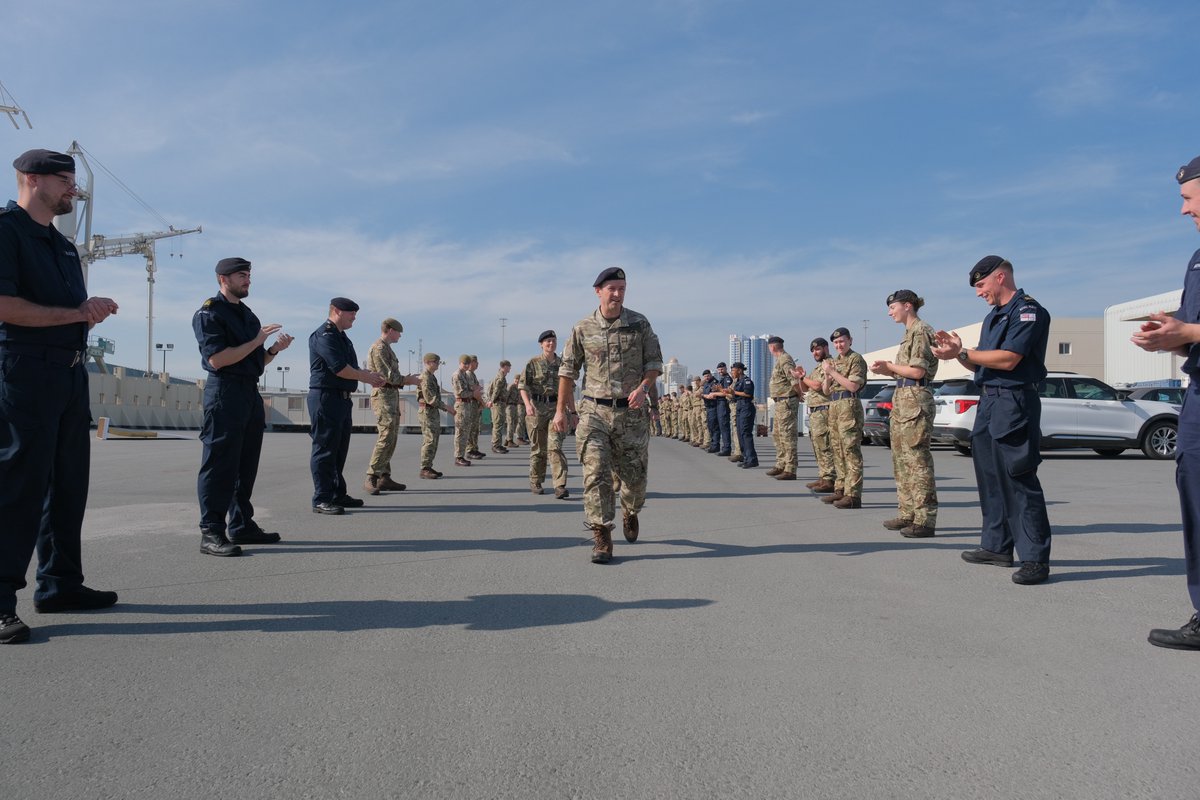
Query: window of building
x=1064 y=348
x=364 y=402
x=294 y=403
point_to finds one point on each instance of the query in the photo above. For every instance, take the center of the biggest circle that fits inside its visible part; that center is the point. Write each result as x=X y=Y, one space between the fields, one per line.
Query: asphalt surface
x=454 y=641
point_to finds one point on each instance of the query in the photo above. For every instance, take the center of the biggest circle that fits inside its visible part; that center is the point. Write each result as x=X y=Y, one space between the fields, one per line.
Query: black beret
x=610 y=274
x=720 y=364
x=902 y=296
x=1189 y=172
x=707 y=372
x=775 y=340
x=547 y=335
x=839 y=333
x=738 y=365
x=818 y=342
x=43 y=162
x=228 y=266
x=986 y=266
x=344 y=304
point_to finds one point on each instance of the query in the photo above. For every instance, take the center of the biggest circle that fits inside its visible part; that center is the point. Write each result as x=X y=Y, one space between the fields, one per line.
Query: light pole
x=411 y=353
x=863 y=347
x=164 y=349
x=503 y=324
x=283 y=371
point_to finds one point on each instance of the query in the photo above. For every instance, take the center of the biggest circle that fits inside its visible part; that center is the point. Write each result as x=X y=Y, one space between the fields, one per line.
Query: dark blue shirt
x=39 y=264
x=744 y=384
x=1020 y=326
x=708 y=387
x=329 y=352
x=1189 y=311
x=219 y=325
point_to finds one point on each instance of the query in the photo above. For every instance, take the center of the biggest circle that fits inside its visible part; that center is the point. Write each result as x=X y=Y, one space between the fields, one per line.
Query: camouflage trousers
x=845 y=432
x=476 y=424
x=431 y=431
x=786 y=434
x=499 y=415
x=464 y=418
x=668 y=424
x=822 y=444
x=545 y=444
x=612 y=443
x=386 y=405
x=735 y=444
x=515 y=427
x=911 y=425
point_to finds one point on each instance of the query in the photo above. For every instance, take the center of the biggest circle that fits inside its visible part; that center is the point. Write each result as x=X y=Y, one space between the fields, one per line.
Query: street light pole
x=283 y=371
x=411 y=353
x=164 y=349
x=503 y=324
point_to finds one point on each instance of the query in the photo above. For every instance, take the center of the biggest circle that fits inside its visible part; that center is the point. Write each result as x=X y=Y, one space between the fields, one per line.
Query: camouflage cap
x=465 y=358
x=429 y=357
x=394 y=324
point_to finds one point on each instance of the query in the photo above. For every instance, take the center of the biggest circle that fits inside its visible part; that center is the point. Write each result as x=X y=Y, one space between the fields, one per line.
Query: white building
x=1124 y=363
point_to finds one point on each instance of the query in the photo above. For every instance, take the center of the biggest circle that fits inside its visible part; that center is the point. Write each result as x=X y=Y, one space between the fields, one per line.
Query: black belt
x=840 y=395
x=545 y=398
x=815 y=409
x=998 y=390
x=785 y=397
x=608 y=401
x=345 y=394
x=52 y=355
x=902 y=382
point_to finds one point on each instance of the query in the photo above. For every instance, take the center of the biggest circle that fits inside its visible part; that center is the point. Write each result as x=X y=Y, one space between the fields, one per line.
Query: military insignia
x=1029 y=299
x=1029 y=318
x=207 y=303
x=1179 y=175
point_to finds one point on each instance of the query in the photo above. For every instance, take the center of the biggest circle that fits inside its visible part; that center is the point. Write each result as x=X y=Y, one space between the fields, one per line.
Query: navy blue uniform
x=234 y=419
x=1187 y=454
x=329 y=410
x=745 y=421
x=1006 y=440
x=724 y=382
x=710 y=415
x=44 y=414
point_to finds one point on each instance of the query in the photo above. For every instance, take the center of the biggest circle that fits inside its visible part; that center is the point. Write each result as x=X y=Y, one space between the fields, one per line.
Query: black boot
x=214 y=543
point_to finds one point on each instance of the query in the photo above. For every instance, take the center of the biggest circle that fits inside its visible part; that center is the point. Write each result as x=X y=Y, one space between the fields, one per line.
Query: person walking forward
x=539 y=391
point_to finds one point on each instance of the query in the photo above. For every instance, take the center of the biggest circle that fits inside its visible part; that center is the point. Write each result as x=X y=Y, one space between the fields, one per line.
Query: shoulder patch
x=207 y=303
x=1028 y=299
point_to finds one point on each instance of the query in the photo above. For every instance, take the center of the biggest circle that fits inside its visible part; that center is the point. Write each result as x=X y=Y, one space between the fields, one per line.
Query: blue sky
x=756 y=167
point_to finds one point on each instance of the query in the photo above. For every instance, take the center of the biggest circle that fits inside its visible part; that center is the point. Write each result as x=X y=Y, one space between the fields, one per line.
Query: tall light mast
x=8 y=105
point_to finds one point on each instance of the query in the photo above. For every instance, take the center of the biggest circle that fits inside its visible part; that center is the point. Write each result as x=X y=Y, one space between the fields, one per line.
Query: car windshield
x=957 y=387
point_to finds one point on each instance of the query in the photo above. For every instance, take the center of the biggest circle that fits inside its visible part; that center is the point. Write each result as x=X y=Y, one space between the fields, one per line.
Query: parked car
x=1077 y=411
x=876 y=428
x=1161 y=394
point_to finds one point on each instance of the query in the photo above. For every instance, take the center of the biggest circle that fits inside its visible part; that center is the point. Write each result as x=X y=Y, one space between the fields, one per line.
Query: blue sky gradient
x=757 y=167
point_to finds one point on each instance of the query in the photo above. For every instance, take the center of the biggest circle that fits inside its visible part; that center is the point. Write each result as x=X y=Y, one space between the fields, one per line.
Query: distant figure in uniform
x=497 y=398
x=711 y=395
x=619 y=356
x=782 y=389
x=724 y=381
x=539 y=391
x=911 y=420
x=430 y=404
x=462 y=386
x=515 y=407
x=1179 y=333
x=45 y=420
x=333 y=375
x=385 y=402
x=818 y=418
x=473 y=450
x=699 y=414
x=233 y=352
x=1009 y=364
x=844 y=377
x=742 y=391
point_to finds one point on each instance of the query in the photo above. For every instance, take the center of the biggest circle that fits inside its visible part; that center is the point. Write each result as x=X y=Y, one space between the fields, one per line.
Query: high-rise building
x=674 y=375
x=752 y=351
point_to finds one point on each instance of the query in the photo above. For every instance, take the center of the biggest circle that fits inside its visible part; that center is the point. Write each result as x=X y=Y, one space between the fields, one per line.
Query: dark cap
x=986 y=266
x=43 y=162
x=544 y=335
x=818 y=342
x=505 y=363
x=738 y=365
x=775 y=340
x=1189 y=172
x=394 y=324
x=839 y=333
x=344 y=304
x=707 y=372
x=610 y=274
x=902 y=296
x=720 y=365
x=228 y=266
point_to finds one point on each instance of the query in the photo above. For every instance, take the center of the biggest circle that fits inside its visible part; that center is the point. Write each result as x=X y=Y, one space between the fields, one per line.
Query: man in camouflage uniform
x=844 y=377
x=462 y=386
x=430 y=404
x=497 y=397
x=818 y=418
x=911 y=419
x=781 y=389
x=385 y=402
x=699 y=418
x=618 y=353
x=473 y=450
x=515 y=408
x=539 y=390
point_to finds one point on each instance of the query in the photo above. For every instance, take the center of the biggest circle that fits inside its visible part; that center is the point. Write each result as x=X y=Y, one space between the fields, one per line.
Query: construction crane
x=8 y=105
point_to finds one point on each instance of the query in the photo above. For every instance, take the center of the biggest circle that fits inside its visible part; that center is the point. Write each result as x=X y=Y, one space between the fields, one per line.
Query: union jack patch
x=1029 y=318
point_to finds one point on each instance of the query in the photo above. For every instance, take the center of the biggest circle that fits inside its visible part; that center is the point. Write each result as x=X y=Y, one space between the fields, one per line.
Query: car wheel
x=962 y=449
x=1109 y=452
x=1159 y=440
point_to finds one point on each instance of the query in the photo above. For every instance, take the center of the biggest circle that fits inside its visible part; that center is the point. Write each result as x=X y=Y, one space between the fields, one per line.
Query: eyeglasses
x=69 y=180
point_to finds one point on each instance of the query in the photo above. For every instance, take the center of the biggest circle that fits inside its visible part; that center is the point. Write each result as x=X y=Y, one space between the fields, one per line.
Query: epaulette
x=207 y=303
x=1029 y=299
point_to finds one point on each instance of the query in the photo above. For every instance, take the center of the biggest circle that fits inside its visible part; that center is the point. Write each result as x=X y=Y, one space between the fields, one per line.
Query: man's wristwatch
x=963 y=357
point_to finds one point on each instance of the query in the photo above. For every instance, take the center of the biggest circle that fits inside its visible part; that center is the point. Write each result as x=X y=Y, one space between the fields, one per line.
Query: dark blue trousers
x=234 y=421
x=1006 y=449
x=745 y=429
x=714 y=428
x=1187 y=481
x=329 y=412
x=45 y=445
x=723 y=428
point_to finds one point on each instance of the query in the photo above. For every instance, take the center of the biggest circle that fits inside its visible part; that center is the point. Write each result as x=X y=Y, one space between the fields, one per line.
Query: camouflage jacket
x=382 y=359
x=781 y=383
x=614 y=355
x=429 y=393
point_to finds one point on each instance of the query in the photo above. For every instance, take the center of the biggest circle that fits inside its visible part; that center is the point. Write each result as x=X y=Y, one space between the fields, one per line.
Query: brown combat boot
x=915 y=531
x=535 y=488
x=786 y=476
x=629 y=526
x=813 y=484
x=601 y=544
x=430 y=474
x=833 y=498
x=897 y=524
x=824 y=487
x=848 y=501
x=386 y=484
x=773 y=471
x=736 y=459
x=371 y=484
x=561 y=493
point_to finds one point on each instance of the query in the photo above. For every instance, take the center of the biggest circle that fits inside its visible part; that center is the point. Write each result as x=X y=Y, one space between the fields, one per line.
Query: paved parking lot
x=453 y=641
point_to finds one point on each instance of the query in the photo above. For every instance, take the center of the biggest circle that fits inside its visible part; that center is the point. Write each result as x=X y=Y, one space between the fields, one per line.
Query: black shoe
x=214 y=543
x=1031 y=572
x=328 y=508
x=750 y=465
x=1186 y=638
x=711 y=450
x=254 y=535
x=981 y=556
x=12 y=630
x=82 y=599
x=346 y=501
x=723 y=453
